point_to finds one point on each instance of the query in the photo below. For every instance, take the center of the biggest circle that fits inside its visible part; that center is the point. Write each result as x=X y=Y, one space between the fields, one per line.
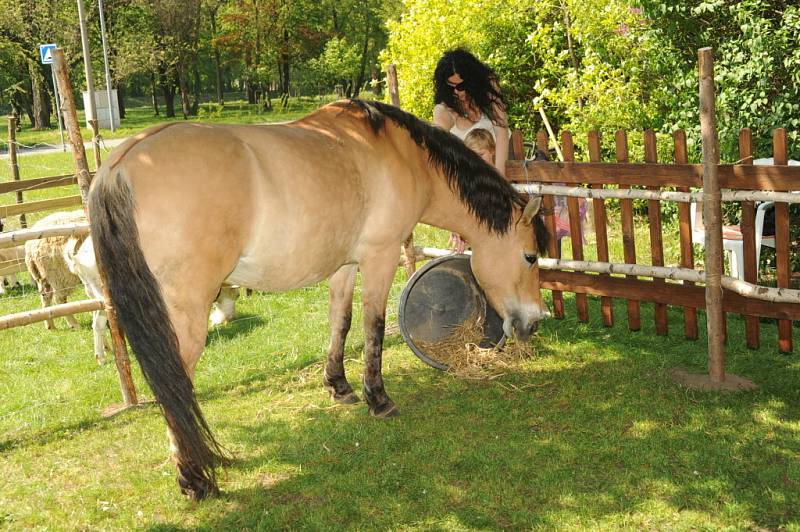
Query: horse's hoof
x=199 y=490
x=347 y=399
x=385 y=411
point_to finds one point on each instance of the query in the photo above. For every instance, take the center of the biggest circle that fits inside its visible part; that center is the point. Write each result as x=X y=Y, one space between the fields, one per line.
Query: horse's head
x=506 y=267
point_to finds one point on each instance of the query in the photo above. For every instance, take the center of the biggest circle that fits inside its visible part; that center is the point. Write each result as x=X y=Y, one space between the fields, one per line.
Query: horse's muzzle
x=515 y=327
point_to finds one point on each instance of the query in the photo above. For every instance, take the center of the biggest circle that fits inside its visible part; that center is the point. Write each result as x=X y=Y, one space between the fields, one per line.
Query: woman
x=467 y=97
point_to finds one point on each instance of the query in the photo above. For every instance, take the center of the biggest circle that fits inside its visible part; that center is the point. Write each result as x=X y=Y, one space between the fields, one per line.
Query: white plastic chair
x=735 y=243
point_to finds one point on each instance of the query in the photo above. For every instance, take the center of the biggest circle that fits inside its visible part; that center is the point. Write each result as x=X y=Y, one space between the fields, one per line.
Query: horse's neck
x=446 y=211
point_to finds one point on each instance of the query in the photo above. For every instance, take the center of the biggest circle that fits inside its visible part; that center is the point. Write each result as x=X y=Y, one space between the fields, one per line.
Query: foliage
x=757 y=66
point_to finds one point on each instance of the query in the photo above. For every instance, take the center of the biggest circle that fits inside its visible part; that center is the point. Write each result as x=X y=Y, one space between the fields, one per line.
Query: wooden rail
x=652 y=181
x=40 y=205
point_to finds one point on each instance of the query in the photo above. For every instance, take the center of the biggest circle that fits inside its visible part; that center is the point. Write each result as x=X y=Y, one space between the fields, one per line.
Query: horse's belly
x=280 y=275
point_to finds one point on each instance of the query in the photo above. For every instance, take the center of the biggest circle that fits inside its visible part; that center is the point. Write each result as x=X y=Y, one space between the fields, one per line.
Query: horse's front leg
x=377 y=276
x=340 y=316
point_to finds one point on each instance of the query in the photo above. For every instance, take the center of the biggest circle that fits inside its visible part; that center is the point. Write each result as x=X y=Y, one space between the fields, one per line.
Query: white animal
x=45 y=261
x=8 y=258
x=224 y=307
x=80 y=259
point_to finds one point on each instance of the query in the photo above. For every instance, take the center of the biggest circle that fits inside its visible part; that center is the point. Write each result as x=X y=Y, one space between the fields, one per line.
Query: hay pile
x=465 y=358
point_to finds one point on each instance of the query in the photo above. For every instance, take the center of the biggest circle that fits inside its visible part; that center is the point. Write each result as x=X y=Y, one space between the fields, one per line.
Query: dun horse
x=182 y=208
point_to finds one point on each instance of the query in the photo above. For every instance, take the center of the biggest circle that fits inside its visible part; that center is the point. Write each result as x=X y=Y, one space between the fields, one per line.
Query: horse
x=182 y=208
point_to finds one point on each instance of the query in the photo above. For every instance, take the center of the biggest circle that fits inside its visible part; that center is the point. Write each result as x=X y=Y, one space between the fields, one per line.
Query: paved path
x=110 y=143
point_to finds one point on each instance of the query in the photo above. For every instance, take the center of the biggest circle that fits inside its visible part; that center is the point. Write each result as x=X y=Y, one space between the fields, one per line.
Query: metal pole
x=58 y=109
x=105 y=61
x=87 y=61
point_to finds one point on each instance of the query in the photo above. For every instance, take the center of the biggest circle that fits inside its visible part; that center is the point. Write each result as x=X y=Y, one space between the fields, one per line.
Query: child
x=481 y=142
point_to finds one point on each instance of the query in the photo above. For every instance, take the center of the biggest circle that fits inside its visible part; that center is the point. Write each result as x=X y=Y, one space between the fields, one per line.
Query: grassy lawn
x=589 y=433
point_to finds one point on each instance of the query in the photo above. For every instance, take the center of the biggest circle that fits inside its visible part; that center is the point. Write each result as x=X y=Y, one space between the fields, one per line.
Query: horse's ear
x=531 y=209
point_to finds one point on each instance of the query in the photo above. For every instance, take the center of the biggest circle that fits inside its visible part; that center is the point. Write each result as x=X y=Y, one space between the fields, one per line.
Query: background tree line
x=592 y=64
x=178 y=51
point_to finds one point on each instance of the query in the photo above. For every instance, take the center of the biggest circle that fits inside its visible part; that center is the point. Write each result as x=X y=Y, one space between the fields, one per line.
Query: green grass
x=591 y=433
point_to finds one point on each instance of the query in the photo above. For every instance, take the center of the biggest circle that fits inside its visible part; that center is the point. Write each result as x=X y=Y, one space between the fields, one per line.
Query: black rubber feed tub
x=440 y=295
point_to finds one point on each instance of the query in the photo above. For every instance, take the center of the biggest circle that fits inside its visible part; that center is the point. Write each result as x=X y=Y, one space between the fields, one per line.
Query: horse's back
x=189 y=184
x=278 y=206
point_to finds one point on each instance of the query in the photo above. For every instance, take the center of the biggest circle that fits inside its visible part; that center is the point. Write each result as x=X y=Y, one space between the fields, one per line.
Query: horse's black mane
x=485 y=192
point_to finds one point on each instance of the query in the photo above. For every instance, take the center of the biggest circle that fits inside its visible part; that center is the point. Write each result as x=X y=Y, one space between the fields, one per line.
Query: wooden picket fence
x=654 y=175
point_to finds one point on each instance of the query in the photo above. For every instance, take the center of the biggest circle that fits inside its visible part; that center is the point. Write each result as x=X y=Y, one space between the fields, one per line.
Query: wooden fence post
x=553 y=249
x=748 y=221
x=779 y=153
x=93 y=125
x=575 y=226
x=12 y=159
x=601 y=229
x=712 y=217
x=84 y=178
x=687 y=251
x=656 y=236
x=628 y=229
x=409 y=255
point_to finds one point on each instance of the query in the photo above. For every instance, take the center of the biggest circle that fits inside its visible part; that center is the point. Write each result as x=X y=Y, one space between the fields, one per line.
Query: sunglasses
x=459 y=87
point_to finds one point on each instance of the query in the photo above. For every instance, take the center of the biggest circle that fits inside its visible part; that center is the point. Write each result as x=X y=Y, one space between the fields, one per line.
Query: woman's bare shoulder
x=443 y=116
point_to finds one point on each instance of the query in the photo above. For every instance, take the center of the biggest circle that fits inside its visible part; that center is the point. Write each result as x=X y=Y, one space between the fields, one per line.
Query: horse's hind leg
x=340 y=315
x=377 y=275
x=188 y=307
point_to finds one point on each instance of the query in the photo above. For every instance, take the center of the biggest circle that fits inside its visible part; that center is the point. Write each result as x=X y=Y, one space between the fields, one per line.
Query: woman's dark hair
x=480 y=83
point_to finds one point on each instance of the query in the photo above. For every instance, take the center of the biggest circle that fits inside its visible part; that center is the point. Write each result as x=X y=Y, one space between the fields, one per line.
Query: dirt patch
x=703 y=382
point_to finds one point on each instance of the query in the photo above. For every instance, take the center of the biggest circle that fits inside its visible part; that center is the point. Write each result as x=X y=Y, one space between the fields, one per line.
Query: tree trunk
x=365 y=50
x=196 y=76
x=251 y=91
x=184 y=88
x=218 y=68
x=25 y=103
x=285 y=60
x=154 y=92
x=212 y=17
x=570 y=47
x=41 y=100
x=121 y=99
x=168 y=89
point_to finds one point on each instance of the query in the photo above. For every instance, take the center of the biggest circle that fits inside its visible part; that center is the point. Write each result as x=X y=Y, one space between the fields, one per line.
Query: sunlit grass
x=590 y=433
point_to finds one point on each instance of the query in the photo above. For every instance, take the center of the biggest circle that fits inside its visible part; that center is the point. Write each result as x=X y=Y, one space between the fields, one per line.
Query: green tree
x=757 y=66
x=585 y=61
x=24 y=25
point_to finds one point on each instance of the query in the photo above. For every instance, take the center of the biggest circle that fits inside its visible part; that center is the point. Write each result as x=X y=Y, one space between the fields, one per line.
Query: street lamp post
x=105 y=61
x=87 y=59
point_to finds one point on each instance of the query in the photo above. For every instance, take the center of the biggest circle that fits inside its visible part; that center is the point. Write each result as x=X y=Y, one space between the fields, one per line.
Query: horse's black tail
x=142 y=312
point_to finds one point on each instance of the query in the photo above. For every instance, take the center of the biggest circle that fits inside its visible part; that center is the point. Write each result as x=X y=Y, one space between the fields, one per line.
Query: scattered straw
x=465 y=358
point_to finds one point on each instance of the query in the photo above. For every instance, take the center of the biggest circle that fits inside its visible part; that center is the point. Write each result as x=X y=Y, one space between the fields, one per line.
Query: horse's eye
x=531 y=258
